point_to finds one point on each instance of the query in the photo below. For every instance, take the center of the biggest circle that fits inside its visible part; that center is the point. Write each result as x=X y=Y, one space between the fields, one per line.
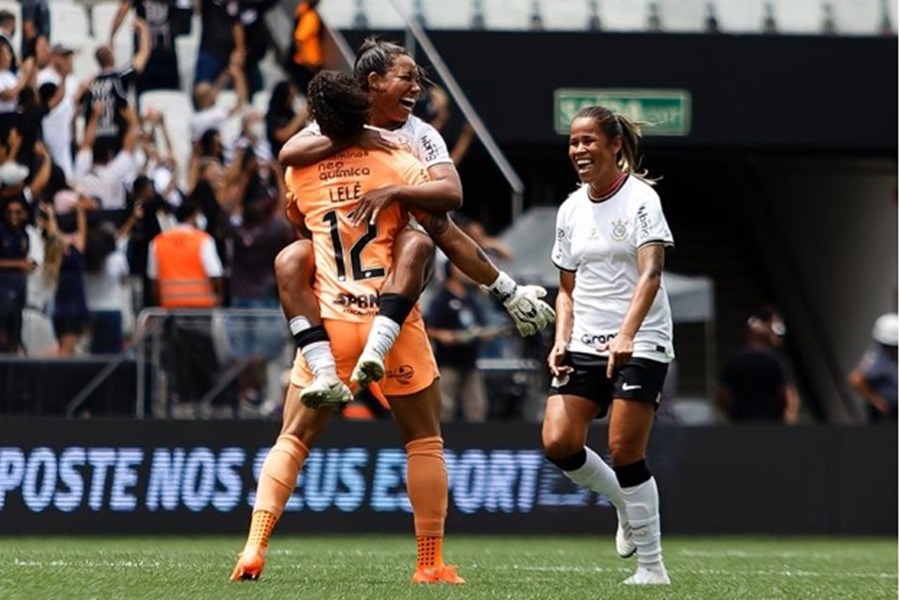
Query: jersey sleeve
x=431 y=147
x=562 y=243
x=650 y=222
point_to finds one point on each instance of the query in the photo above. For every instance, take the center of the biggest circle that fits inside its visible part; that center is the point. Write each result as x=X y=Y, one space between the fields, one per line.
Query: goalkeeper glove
x=523 y=303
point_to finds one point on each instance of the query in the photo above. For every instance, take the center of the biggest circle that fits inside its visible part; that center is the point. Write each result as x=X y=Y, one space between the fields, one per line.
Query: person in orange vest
x=183 y=266
x=185 y=271
x=304 y=57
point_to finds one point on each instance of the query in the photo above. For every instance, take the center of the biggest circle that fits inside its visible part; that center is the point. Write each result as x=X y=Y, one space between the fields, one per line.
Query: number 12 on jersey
x=356 y=268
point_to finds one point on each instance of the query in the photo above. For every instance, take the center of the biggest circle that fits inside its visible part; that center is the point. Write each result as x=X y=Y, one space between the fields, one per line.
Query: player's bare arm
x=440 y=195
x=564 y=312
x=305 y=147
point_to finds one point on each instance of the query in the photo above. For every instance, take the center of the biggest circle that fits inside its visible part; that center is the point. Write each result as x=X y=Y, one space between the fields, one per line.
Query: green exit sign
x=664 y=112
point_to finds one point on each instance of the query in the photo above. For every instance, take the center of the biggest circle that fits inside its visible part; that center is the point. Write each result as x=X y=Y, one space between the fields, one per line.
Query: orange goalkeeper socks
x=261 y=525
x=279 y=475
x=427 y=488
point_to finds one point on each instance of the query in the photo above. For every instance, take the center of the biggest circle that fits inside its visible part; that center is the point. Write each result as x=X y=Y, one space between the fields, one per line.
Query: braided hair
x=338 y=104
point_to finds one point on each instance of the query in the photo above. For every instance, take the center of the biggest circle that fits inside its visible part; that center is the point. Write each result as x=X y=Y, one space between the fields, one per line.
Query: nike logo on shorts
x=627 y=388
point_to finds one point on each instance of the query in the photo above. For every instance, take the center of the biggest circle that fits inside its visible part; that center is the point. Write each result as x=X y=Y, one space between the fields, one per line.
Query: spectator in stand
x=257 y=37
x=7 y=33
x=46 y=247
x=210 y=116
x=15 y=265
x=222 y=40
x=160 y=166
x=35 y=24
x=185 y=272
x=257 y=240
x=756 y=384
x=41 y=52
x=11 y=83
x=109 y=89
x=103 y=174
x=875 y=377
x=70 y=311
x=105 y=272
x=161 y=70
x=284 y=117
x=59 y=114
x=457 y=326
x=304 y=56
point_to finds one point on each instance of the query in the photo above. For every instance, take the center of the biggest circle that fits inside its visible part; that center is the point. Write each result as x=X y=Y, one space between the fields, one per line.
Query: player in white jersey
x=391 y=77
x=613 y=339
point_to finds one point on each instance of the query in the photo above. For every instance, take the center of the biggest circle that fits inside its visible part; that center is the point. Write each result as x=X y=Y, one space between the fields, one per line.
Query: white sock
x=599 y=477
x=642 y=508
x=318 y=355
x=382 y=336
x=298 y=324
x=319 y=358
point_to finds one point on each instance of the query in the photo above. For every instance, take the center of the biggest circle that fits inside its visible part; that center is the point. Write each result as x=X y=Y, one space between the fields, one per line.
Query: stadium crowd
x=90 y=177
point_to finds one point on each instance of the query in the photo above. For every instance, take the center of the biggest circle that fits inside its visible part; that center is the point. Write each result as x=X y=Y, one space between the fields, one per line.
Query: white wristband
x=503 y=287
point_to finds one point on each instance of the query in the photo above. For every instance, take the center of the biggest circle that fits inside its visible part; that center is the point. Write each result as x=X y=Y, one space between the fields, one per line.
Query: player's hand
x=620 y=349
x=530 y=313
x=372 y=203
x=555 y=360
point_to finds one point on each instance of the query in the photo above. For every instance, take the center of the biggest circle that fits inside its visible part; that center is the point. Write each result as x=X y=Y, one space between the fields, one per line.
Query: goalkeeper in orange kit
x=351 y=263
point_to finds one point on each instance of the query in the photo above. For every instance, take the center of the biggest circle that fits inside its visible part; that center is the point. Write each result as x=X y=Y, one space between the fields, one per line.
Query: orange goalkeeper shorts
x=409 y=366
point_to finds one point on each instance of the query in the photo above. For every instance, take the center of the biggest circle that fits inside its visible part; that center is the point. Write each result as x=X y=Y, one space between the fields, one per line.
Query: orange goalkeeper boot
x=441 y=574
x=250 y=564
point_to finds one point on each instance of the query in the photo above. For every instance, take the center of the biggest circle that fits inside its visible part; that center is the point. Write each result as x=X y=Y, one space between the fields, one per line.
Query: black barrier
x=129 y=477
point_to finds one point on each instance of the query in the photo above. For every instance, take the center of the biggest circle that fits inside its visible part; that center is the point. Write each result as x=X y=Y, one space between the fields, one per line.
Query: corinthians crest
x=619 y=231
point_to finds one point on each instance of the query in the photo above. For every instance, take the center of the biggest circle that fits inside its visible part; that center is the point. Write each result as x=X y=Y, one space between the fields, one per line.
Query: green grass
x=379 y=567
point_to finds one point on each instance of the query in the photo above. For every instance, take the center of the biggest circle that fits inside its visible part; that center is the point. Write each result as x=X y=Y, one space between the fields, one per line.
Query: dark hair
x=338 y=104
x=614 y=126
x=376 y=56
x=100 y=243
x=187 y=209
x=281 y=94
x=47 y=91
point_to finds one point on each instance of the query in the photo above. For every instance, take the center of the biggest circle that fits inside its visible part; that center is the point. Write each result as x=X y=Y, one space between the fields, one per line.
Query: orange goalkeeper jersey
x=351 y=262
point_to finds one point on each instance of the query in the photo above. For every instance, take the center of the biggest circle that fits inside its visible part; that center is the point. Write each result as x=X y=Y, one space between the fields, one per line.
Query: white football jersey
x=599 y=242
x=416 y=135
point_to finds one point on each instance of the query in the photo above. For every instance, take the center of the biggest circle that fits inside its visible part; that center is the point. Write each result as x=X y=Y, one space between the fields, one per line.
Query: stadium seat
x=186 y=47
x=102 y=16
x=84 y=64
x=565 y=15
x=799 y=16
x=440 y=14
x=338 y=14
x=862 y=17
x=502 y=14
x=740 y=16
x=683 y=15
x=623 y=16
x=382 y=14
x=68 y=23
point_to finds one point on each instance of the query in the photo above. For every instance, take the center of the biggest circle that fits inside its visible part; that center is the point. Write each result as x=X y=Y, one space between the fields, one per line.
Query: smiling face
x=593 y=154
x=394 y=94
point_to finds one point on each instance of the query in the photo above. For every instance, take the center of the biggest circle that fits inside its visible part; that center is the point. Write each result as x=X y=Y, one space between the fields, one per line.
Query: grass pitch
x=379 y=567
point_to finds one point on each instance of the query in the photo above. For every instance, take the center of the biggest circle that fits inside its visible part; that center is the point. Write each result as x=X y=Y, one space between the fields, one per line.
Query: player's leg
x=631 y=419
x=573 y=404
x=413 y=257
x=412 y=389
x=301 y=427
x=294 y=271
